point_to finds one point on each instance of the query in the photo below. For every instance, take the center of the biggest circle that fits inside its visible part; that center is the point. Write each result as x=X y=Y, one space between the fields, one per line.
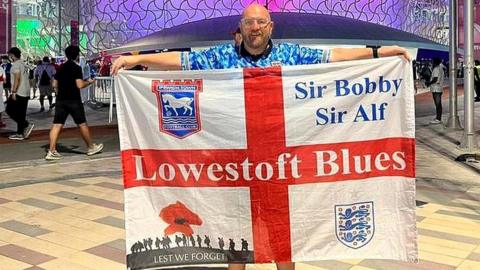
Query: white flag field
x=300 y=163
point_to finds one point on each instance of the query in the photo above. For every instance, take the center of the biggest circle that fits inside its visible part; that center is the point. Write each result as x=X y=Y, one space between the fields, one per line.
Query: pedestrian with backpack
x=44 y=74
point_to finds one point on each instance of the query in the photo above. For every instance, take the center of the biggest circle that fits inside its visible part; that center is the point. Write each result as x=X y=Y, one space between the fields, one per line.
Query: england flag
x=300 y=163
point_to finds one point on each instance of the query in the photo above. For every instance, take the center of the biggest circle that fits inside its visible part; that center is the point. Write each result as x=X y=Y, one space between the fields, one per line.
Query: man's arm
x=82 y=83
x=53 y=71
x=15 y=84
x=434 y=80
x=159 y=61
x=345 y=54
x=55 y=85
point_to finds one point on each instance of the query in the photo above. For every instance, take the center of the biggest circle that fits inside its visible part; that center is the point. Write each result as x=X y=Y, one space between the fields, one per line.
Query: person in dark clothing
x=20 y=94
x=436 y=87
x=68 y=81
x=477 y=80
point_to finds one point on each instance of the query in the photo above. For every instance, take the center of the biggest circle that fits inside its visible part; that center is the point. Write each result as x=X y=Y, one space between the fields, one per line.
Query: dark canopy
x=306 y=29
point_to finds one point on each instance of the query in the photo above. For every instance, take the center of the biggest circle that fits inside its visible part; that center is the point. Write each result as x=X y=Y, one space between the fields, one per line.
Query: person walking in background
x=2 y=105
x=436 y=87
x=104 y=71
x=7 y=84
x=44 y=75
x=53 y=61
x=31 y=77
x=68 y=81
x=18 y=100
x=476 y=72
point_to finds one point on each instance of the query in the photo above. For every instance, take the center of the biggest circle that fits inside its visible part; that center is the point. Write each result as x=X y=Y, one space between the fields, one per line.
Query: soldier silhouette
x=166 y=241
x=145 y=244
x=150 y=242
x=192 y=240
x=221 y=244
x=178 y=240
x=199 y=241
x=140 y=246
x=184 y=240
x=207 y=241
x=244 y=245
x=133 y=249
x=157 y=243
x=231 y=245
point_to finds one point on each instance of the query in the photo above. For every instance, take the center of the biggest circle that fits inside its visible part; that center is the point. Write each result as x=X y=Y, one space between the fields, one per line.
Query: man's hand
x=122 y=62
x=13 y=96
x=393 y=51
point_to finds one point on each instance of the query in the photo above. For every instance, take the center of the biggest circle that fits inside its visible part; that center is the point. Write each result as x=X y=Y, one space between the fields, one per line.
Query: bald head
x=256 y=11
x=256 y=28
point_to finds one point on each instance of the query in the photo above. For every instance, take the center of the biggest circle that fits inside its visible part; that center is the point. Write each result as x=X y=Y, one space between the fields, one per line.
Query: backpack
x=44 y=79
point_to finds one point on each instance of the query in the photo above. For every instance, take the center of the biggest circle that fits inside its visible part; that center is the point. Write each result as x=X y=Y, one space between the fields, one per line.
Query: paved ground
x=68 y=215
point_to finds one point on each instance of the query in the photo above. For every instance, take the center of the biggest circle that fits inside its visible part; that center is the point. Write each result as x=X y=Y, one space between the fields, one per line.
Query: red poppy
x=179 y=218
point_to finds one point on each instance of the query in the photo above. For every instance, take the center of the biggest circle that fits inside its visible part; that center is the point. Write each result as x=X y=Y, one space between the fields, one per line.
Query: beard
x=256 y=42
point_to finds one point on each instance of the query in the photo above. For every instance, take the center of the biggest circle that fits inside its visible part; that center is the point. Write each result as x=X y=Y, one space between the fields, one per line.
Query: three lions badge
x=354 y=224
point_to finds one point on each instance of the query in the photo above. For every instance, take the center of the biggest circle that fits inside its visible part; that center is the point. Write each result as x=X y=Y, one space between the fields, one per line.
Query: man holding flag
x=256 y=50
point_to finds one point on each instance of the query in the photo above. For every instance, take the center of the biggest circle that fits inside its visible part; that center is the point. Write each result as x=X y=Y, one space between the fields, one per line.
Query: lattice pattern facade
x=109 y=23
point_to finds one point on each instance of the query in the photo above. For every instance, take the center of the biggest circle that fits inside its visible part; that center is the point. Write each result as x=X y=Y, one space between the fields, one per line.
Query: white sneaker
x=53 y=155
x=435 y=122
x=95 y=149
x=17 y=137
x=28 y=130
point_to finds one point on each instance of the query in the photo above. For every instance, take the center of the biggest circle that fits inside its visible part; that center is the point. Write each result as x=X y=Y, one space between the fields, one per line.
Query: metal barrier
x=101 y=94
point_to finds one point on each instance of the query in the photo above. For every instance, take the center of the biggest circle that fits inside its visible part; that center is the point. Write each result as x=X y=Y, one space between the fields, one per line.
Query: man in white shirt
x=436 y=87
x=17 y=106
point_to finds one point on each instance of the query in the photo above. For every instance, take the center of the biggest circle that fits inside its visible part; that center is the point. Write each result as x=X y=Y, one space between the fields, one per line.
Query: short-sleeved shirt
x=20 y=69
x=438 y=72
x=231 y=56
x=66 y=77
x=49 y=68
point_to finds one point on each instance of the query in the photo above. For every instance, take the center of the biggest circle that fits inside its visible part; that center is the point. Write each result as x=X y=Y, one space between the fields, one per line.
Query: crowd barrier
x=101 y=94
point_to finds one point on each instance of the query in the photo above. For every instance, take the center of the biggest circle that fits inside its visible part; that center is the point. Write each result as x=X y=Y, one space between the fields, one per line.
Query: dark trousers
x=17 y=110
x=437 y=99
x=477 y=89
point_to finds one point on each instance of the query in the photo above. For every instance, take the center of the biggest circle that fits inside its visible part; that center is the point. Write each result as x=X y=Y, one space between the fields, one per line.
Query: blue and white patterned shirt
x=229 y=56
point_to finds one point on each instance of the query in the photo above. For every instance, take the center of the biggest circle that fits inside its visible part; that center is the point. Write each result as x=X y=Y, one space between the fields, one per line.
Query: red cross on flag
x=280 y=164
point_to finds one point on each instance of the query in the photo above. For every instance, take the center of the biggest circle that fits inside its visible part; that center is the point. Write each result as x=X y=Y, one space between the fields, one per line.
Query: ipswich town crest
x=354 y=224
x=178 y=111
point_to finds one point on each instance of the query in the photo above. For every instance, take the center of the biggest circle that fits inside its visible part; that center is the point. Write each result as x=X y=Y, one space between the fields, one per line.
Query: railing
x=101 y=94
